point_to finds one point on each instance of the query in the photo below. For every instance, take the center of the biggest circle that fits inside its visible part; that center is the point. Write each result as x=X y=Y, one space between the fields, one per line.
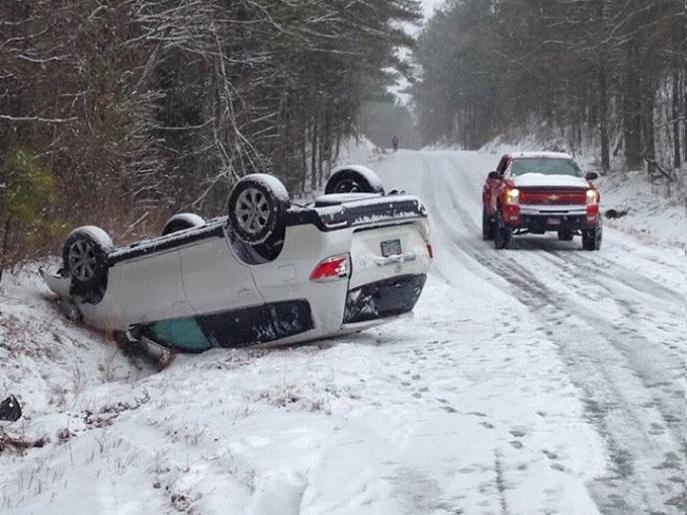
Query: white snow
x=655 y=212
x=273 y=183
x=539 y=380
x=540 y=155
x=99 y=236
x=534 y=180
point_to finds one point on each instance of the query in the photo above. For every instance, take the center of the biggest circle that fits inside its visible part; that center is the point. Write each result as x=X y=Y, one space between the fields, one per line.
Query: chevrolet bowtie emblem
x=554 y=198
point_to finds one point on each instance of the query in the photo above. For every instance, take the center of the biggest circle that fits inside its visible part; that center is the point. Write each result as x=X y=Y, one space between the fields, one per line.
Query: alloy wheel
x=82 y=260
x=252 y=210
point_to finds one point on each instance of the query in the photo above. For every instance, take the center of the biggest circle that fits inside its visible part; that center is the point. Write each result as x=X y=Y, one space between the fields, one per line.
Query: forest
x=610 y=75
x=118 y=113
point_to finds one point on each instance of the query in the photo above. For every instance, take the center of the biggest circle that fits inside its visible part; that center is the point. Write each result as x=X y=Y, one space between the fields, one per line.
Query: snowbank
x=419 y=416
x=654 y=213
x=360 y=151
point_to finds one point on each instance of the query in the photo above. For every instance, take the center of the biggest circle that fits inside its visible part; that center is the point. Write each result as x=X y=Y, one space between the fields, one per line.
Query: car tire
x=565 y=235
x=592 y=239
x=181 y=222
x=84 y=257
x=488 y=226
x=257 y=208
x=503 y=235
x=354 y=179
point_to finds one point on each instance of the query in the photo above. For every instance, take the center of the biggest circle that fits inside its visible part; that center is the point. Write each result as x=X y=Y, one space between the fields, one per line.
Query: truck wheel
x=257 y=208
x=488 y=226
x=85 y=259
x=565 y=235
x=591 y=240
x=181 y=222
x=354 y=179
x=503 y=235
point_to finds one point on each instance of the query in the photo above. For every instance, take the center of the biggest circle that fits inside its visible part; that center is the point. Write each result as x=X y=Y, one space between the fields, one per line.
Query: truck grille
x=553 y=197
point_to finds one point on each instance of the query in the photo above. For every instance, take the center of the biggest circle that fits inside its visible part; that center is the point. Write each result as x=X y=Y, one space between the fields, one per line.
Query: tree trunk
x=304 y=157
x=677 y=158
x=648 y=131
x=313 y=157
x=603 y=119
x=5 y=244
x=632 y=126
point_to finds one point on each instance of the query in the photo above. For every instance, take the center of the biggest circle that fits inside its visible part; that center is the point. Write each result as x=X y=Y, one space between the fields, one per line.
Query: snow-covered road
x=616 y=318
x=543 y=379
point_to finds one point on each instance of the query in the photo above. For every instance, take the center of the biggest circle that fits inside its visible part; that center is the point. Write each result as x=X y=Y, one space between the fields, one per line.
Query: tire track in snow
x=644 y=461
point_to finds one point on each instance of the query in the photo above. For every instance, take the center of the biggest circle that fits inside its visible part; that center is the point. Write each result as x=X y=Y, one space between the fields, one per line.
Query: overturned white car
x=271 y=272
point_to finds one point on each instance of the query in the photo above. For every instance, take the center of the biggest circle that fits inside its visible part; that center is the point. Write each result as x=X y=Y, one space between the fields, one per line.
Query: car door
x=214 y=279
x=493 y=187
x=146 y=288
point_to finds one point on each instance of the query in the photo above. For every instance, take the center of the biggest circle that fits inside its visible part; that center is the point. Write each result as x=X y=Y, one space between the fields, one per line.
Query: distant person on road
x=394 y=143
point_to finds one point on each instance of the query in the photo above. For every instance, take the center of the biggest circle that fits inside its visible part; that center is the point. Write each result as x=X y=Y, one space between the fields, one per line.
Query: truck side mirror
x=494 y=175
x=592 y=176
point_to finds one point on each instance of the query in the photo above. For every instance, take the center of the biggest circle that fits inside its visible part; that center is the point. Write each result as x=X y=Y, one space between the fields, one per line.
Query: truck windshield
x=545 y=166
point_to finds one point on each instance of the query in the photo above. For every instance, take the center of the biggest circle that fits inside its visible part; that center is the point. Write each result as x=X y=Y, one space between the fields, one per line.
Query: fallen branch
x=36 y=119
x=19 y=444
x=655 y=165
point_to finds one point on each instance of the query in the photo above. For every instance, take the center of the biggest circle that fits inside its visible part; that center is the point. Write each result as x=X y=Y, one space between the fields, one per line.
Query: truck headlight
x=513 y=196
x=592 y=197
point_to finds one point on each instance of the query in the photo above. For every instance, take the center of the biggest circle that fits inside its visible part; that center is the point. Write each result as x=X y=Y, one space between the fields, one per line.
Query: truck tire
x=257 y=208
x=84 y=258
x=488 y=226
x=181 y=222
x=354 y=179
x=592 y=239
x=503 y=235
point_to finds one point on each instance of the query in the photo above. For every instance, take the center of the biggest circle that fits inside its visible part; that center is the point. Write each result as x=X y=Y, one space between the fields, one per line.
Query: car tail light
x=430 y=250
x=332 y=269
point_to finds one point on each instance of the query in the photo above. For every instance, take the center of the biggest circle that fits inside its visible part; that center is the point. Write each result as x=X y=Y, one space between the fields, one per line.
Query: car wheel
x=591 y=240
x=257 y=208
x=85 y=259
x=488 y=226
x=565 y=235
x=503 y=235
x=181 y=222
x=354 y=179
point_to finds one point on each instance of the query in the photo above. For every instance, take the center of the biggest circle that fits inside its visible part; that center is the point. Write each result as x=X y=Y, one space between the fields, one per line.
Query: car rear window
x=184 y=334
x=545 y=166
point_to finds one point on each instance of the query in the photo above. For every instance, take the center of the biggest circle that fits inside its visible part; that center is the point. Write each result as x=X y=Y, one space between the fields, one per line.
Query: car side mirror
x=494 y=175
x=592 y=176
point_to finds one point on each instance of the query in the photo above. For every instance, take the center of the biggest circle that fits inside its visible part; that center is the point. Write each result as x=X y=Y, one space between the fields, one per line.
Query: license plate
x=553 y=221
x=391 y=248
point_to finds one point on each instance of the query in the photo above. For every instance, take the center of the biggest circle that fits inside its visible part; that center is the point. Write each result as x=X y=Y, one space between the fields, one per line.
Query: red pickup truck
x=538 y=192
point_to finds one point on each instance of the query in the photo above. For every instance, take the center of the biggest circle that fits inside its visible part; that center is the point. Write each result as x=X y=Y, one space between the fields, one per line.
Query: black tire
x=181 y=222
x=257 y=208
x=565 y=235
x=354 y=179
x=488 y=226
x=591 y=240
x=85 y=260
x=503 y=235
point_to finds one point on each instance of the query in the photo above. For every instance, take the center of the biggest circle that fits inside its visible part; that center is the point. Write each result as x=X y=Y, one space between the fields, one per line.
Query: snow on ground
x=538 y=380
x=655 y=213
